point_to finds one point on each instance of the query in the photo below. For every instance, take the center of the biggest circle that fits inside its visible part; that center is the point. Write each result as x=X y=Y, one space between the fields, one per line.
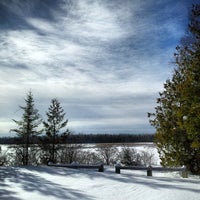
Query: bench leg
x=117 y=170
x=149 y=171
x=185 y=174
x=101 y=168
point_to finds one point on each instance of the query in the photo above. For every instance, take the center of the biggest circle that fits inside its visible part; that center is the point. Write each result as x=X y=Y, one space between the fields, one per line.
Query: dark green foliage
x=54 y=131
x=27 y=129
x=177 y=116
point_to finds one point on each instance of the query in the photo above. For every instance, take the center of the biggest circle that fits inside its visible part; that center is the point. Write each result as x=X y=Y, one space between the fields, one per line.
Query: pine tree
x=177 y=116
x=27 y=128
x=54 y=130
x=129 y=156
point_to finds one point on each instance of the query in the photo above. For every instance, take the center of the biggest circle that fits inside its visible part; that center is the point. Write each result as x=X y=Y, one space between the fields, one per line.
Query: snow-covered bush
x=129 y=156
x=88 y=157
x=147 y=156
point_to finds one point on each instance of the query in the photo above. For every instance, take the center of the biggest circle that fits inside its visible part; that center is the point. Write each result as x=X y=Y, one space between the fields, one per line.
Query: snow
x=56 y=183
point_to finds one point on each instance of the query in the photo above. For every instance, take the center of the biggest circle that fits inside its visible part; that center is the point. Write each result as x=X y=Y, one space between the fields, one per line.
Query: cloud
x=104 y=60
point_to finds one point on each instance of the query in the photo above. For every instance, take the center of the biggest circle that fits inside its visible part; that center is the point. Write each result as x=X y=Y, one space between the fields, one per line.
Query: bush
x=129 y=157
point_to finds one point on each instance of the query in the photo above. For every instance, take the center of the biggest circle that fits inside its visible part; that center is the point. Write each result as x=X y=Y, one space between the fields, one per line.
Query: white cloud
x=94 y=21
x=105 y=60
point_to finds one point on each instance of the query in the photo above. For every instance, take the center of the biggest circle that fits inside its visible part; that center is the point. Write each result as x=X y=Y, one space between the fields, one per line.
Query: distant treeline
x=87 y=138
x=110 y=138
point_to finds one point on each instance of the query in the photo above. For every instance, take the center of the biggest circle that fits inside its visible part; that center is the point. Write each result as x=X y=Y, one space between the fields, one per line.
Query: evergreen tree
x=177 y=116
x=54 y=130
x=129 y=156
x=27 y=128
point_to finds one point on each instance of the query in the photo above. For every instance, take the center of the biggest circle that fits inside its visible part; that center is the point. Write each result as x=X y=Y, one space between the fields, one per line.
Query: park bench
x=149 y=169
x=100 y=167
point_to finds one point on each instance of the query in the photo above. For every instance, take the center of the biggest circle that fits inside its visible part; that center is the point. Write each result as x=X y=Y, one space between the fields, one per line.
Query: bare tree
x=107 y=152
x=69 y=153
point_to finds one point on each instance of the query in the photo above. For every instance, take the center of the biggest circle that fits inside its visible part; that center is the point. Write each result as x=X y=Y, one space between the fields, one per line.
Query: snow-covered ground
x=48 y=183
x=57 y=183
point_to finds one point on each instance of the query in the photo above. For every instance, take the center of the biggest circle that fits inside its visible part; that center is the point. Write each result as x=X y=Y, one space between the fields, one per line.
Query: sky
x=104 y=60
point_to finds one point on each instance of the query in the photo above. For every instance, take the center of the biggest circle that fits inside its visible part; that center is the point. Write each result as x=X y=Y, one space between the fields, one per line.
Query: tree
x=54 y=130
x=129 y=156
x=147 y=156
x=177 y=116
x=107 y=152
x=27 y=129
x=2 y=157
x=70 y=153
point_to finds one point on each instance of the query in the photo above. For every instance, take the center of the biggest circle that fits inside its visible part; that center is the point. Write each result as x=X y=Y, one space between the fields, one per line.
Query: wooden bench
x=77 y=166
x=150 y=169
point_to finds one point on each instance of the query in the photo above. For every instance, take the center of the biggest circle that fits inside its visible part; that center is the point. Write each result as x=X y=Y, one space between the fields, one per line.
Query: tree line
x=87 y=139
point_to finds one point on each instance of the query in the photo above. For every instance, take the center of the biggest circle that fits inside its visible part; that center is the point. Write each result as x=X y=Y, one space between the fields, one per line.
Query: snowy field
x=52 y=183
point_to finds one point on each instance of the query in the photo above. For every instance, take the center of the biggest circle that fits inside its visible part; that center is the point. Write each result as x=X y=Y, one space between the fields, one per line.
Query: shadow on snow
x=29 y=182
x=30 y=179
x=128 y=177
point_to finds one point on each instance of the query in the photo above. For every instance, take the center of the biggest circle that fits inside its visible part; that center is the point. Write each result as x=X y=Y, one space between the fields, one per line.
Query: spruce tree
x=27 y=128
x=54 y=129
x=177 y=116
